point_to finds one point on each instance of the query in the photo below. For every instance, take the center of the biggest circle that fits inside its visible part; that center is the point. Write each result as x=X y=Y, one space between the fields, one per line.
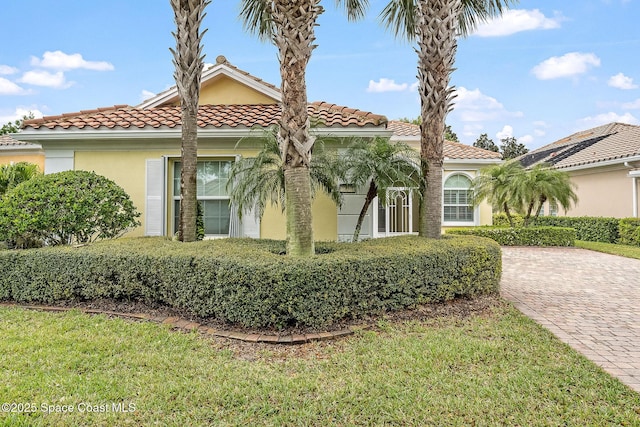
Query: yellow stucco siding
x=604 y=191
x=37 y=159
x=226 y=91
x=325 y=221
x=125 y=168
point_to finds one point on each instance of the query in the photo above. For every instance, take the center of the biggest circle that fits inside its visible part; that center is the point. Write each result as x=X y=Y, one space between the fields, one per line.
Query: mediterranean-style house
x=14 y=151
x=139 y=148
x=604 y=165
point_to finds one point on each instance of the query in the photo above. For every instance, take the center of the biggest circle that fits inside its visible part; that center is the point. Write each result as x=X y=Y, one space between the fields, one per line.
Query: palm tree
x=542 y=183
x=435 y=26
x=188 y=61
x=257 y=181
x=497 y=185
x=15 y=173
x=290 y=26
x=380 y=164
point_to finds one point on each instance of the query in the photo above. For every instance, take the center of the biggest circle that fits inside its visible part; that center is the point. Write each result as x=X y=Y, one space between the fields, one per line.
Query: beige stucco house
x=604 y=165
x=13 y=150
x=139 y=148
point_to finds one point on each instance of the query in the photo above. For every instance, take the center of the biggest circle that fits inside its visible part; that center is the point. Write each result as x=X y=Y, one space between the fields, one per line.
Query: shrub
x=522 y=236
x=592 y=229
x=66 y=207
x=247 y=282
x=629 y=231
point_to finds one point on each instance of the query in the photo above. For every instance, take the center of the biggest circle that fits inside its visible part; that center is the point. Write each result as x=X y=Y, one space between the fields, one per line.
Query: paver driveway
x=589 y=300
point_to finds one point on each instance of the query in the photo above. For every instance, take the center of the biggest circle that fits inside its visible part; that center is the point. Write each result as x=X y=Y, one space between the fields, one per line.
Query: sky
x=544 y=70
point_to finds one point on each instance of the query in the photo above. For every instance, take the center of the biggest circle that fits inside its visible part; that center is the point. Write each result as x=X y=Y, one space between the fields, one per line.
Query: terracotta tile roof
x=602 y=143
x=7 y=142
x=452 y=150
x=209 y=116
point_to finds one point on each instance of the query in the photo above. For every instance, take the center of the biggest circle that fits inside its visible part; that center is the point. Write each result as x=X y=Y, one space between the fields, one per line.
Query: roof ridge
x=45 y=119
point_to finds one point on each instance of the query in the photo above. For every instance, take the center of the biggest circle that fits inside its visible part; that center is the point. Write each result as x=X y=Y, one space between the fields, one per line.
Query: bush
x=248 y=282
x=66 y=207
x=629 y=231
x=592 y=229
x=522 y=236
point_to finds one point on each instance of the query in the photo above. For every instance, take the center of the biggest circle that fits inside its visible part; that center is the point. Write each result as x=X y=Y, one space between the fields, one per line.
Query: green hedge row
x=592 y=229
x=629 y=231
x=522 y=236
x=250 y=282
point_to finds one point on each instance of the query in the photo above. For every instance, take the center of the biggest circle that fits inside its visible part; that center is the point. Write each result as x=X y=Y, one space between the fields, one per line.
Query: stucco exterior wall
x=7 y=158
x=604 y=191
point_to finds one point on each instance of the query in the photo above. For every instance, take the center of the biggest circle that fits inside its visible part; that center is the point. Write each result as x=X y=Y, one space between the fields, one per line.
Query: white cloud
x=620 y=81
x=6 y=70
x=19 y=113
x=59 y=60
x=568 y=65
x=145 y=94
x=517 y=20
x=474 y=106
x=506 y=132
x=45 y=78
x=386 y=85
x=633 y=105
x=539 y=132
x=604 y=118
x=7 y=87
x=526 y=139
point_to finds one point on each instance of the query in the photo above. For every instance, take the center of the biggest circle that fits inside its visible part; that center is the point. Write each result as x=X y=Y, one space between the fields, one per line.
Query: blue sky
x=547 y=69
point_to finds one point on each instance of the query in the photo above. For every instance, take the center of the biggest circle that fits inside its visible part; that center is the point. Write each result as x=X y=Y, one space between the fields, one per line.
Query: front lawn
x=495 y=367
x=611 y=248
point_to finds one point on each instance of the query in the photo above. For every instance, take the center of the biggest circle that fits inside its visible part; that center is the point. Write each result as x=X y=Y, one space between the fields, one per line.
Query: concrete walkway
x=589 y=300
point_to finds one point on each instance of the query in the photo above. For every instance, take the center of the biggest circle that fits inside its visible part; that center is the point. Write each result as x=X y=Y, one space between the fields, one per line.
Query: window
x=212 y=179
x=553 y=208
x=457 y=199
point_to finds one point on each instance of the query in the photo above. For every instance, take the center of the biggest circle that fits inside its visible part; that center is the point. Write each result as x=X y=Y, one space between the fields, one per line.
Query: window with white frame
x=399 y=213
x=457 y=201
x=212 y=178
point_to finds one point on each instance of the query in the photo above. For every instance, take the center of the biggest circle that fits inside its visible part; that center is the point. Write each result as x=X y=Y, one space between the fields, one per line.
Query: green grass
x=611 y=248
x=494 y=369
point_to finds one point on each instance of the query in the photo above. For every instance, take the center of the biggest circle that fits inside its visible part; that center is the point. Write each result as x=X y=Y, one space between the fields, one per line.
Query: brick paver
x=589 y=300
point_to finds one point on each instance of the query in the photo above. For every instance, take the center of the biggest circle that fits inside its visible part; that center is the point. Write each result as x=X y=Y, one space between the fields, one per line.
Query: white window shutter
x=154 y=209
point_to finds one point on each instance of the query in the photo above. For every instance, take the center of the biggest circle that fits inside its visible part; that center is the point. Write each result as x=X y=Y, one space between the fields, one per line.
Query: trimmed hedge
x=522 y=236
x=592 y=229
x=629 y=231
x=249 y=282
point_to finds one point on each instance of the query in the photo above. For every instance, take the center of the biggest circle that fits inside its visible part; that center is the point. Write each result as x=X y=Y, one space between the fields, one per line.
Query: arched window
x=457 y=202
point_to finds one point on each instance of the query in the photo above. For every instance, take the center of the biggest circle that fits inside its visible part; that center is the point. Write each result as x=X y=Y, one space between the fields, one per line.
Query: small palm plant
x=15 y=173
x=255 y=182
x=380 y=164
x=496 y=184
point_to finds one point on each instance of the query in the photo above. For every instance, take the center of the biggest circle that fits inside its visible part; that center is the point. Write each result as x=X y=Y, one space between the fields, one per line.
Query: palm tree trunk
x=508 y=214
x=436 y=35
x=188 y=61
x=295 y=22
x=371 y=194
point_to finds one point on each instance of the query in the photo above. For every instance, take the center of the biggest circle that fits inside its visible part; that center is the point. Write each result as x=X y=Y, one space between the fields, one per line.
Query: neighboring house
x=604 y=164
x=14 y=151
x=139 y=148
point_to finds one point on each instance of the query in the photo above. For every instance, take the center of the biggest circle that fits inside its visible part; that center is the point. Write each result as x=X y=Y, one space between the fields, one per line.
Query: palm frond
x=256 y=18
x=355 y=9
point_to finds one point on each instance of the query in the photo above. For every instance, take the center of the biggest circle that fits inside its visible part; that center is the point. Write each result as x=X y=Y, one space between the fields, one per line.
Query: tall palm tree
x=380 y=164
x=290 y=26
x=435 y=25
x=497 y=185
x=540 y=184
x=257 y=181
x=188 y=61
x=15 y=173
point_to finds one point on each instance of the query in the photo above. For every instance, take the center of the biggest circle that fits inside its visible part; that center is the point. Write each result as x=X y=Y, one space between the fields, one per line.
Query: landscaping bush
x=629 y=231
x=522 y=236
x=248 y=282
x=592 y=229
x=66 y=207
